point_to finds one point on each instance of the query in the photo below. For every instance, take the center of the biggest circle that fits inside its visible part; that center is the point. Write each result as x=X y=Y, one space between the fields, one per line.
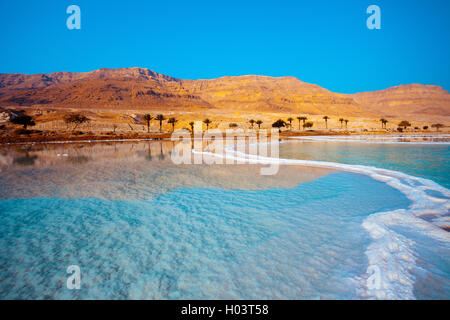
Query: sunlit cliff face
x=138 y=88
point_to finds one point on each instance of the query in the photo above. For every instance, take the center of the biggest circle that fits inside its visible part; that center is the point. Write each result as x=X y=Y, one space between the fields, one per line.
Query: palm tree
x=346 y=122
x=160 y=118
x=252 y=122
x=383 y=122
x=172 y=121
x=326 y=121
x=341 y=120
x=259 y=123
x=148 y=118
x=302 y=118
x=192 y=126
x=290 y=122
x=207 y=122
x=304 y=121
x=299 y=120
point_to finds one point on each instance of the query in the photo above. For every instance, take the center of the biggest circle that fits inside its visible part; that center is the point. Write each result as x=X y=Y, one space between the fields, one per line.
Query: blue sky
x=321 y=42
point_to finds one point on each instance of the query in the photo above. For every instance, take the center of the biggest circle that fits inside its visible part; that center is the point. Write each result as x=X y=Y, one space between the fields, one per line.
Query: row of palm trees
x=172 y=120
x=258 y=122
x=303 y=119
x=279 y=123
x=206 y=121
x=383 y=123
x=148 y=118
x=341 y=120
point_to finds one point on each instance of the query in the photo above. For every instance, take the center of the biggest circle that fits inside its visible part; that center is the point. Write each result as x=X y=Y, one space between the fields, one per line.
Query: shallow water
x=430 y=161
x=140 y=227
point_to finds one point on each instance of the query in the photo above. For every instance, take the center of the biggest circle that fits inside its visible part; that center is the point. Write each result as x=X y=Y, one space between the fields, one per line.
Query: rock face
x=104 y=88
x=267 y=94
x=414 y=101
x=137 y=88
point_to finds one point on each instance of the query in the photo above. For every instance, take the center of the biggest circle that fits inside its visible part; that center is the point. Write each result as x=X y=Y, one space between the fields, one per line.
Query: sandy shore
x=35 y=136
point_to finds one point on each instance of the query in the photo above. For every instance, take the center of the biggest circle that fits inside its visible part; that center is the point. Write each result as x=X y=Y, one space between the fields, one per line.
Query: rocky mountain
x=138 y=88
x=104 y=88
x=414 y=101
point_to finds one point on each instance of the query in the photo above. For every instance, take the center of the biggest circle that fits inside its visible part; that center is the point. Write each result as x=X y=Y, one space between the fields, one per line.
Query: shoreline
x=34 y=137
x=378 y=224
x=66 y=138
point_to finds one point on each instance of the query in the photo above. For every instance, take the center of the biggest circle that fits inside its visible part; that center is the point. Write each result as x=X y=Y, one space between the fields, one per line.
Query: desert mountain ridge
x=143 y=89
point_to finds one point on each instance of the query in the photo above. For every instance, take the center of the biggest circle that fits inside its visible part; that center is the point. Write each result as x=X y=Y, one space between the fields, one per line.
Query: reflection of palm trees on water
x=161 y=155
x=149 y=155
x=79 y=159
x=26 y=160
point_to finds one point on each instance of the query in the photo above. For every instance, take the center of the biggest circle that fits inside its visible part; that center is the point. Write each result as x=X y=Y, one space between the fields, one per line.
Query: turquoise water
x=140 y=227
x=305 y=242
x=427 y=161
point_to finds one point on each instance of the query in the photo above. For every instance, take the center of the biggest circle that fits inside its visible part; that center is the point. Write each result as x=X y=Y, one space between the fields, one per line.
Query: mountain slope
x=138 y=88
x=407 y=100
x=104 y=88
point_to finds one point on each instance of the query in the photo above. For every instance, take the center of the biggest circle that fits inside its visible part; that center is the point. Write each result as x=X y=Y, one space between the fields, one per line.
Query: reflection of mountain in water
x=123 y=170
